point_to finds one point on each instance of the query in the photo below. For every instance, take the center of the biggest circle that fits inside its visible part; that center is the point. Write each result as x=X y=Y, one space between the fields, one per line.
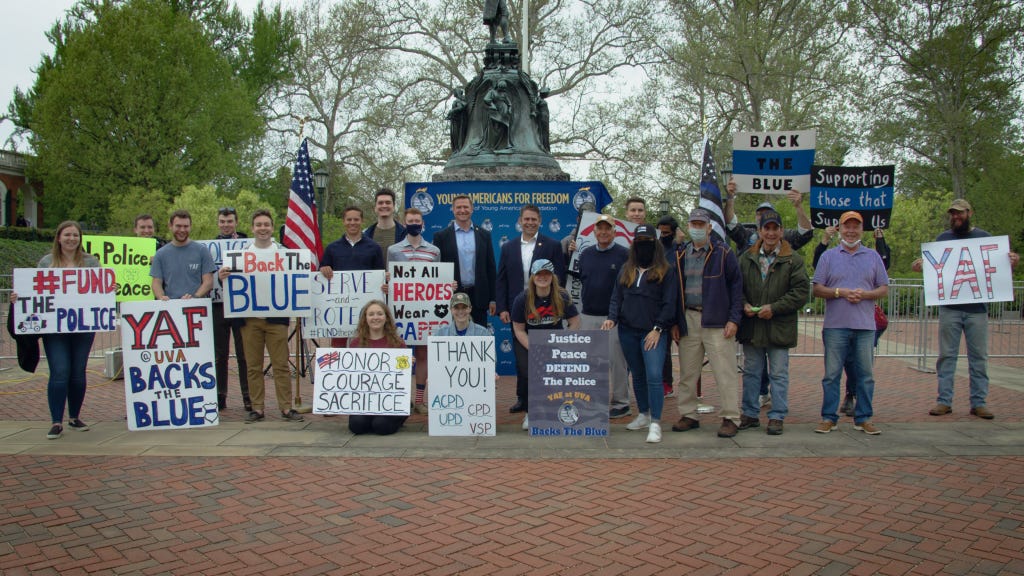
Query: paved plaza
x=929 y=495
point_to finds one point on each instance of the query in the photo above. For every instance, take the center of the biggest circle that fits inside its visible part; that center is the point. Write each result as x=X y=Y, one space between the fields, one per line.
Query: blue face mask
x=414 y=229
x=698 y=235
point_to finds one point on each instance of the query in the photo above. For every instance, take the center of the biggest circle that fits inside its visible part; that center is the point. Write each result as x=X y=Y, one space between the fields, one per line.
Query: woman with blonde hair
x=376 y=329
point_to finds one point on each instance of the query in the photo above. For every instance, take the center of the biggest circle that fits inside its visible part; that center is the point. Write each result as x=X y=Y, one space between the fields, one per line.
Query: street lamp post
x=663 y=206
x=320 y=179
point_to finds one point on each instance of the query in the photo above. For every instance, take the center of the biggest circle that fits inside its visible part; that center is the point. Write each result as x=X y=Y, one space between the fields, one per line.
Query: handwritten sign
x=268 y=283
x=62 y=300
x=967 y=271
x=362 y=381
x=170 y=380
x=419 y=294
x=130 y=257
x=866 y=189
x=462 y=385
x=569 y=383
x=217 y=250
x=337 y=302
x=773 y=162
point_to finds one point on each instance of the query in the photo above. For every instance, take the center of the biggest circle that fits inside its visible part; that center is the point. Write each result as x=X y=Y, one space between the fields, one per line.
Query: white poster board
x=773 y=162
x=64 y=300
x=217 y=249
x=968 y=271
x=338 y=301
x=267 y=284
x=462 y=385
x=419 y=294
x=362 y=381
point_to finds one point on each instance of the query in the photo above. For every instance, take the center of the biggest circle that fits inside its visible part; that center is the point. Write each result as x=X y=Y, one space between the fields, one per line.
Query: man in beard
x=969 y=319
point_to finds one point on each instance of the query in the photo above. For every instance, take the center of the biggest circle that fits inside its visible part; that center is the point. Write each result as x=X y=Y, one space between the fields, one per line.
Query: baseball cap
x=700 y=215
x=851 y=214
x=542 y=265
x=461 y=298
x=764 y=206
x=645 y=231
x=606 y=219
x=960 y=205
x=769 y=216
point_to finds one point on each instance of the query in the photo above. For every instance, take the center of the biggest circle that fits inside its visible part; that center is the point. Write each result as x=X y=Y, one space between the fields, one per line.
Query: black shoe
x=619 y=412
x=746 y=422
x=77 y=424
x=55 y=432
x=292 y=416
x=848 y=403
x=519 y=406
x=247 y=405
x=254 y=417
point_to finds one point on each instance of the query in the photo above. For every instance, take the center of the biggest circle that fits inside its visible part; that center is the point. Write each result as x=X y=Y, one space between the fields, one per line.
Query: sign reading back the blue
x=773 y=162
x=864 y=189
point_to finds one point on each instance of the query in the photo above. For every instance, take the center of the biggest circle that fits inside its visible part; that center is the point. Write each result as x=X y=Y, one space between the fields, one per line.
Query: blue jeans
x=67 y=355
x=645 y=366
x=844 y=345
x=974 y=327
x=754 y=369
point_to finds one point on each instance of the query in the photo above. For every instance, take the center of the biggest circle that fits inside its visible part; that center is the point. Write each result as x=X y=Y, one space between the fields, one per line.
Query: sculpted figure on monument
x=496 y=16
x=498 y=135
x=459 y=120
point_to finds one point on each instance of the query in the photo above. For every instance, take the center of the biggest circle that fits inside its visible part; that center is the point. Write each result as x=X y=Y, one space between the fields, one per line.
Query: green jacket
x=785 y=288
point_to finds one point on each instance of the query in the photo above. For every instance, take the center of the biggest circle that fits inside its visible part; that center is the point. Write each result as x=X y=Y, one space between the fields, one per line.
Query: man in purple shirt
x=850 y=277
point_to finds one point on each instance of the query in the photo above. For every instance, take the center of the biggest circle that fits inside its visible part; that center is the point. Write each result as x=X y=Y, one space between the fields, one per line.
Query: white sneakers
x=526 y=422
x=654 y=434
x=640 y=422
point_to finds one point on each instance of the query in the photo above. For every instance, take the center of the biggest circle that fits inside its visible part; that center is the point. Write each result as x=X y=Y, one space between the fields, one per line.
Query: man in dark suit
x=517 y=255
x=469 y=248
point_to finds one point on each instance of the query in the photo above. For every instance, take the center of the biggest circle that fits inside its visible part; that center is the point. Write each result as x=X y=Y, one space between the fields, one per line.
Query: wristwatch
x=657 y=329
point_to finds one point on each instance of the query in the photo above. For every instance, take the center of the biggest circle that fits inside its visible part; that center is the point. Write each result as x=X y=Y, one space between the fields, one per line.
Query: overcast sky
x=25 y=43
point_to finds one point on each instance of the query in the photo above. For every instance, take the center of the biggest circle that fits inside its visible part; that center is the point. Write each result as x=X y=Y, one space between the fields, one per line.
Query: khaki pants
x=722 y=355
x=257 y=335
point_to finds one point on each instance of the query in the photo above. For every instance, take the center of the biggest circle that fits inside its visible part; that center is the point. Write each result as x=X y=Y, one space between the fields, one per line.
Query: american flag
x=328 y=359
x=710 y=195
x=301 y=229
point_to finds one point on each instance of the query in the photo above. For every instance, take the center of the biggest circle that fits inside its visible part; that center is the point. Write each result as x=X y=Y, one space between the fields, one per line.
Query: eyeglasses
x=226 y=211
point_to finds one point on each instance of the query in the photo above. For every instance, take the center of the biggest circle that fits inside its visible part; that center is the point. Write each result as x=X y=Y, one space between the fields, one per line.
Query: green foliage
x=204 y=202
x=917 y=219
x=27 y=234
x=127 y=204
x=21 y=254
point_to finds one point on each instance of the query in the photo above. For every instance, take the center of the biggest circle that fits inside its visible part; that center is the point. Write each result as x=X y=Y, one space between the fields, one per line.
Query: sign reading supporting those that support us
x=267 y=284
x=217 y=250
x=419 y=293
x=131 y=259
x=64 y=300
x=461 y=390
x=967 y=271
x=169 y=376
x=773 y=162
x=338 y=301
x=865 y=189
x=362 y=381
x=569 y=383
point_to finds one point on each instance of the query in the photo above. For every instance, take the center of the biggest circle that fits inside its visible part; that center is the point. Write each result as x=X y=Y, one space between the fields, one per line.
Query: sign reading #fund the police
x=568 y=383
x=267 y=283
x=64 y=300
x=461 y=391
x=169 y=377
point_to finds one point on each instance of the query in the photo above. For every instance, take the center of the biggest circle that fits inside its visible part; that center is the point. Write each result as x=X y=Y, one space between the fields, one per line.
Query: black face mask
x=644 y=254
x=414 y=229
x=666 y=241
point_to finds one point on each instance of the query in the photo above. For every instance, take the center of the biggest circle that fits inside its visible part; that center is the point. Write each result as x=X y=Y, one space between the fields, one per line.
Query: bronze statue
x=496 y=16
x=459 y=120
x=500 y=116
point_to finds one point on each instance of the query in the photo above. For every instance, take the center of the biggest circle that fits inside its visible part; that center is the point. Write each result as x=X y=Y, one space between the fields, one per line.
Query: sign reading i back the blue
x=864 y=189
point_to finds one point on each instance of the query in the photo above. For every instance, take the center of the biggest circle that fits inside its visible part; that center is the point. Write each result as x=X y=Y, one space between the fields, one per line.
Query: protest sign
x=217 y=250
x=967 y=271
x=773 y=162
x=267 y=283
x=419 y=294
x=462 y=385
x=569 y=383
x=362 y=381
x=865 y=189
x=338 y=301
x=64 y=300
x=585 y=239
x=170 y=380
x=130 y=258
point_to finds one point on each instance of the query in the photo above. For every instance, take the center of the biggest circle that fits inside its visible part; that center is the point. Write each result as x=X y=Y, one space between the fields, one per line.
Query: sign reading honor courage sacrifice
x=568 y=383
x=338 y=301
x=267 y=284
x=773 y=162
x=130 y=257
x=419 y=294
x=968 y=271
x=362 y=381
x=461 y=391
x=64 y=300
x=866 y=189
x=170 y=381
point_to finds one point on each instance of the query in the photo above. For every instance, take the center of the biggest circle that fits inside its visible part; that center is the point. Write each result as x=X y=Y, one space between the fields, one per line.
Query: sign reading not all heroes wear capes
x=569 y=383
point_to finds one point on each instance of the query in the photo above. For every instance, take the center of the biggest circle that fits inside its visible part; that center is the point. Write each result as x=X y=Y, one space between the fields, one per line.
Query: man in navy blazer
x=469 y=248
x=517 y=256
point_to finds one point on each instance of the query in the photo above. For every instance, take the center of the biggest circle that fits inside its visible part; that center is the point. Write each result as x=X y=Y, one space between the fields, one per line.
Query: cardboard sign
x=362 y=381
x=865 y=189
x=217 y=250
x=773 y=162
x=170 y=381
x=63 y=300
x=268 y=284
x=337 y=302
x=968 y=271
x=569 y=383
x=419 y=294
x=131 y=258
x=462 y=385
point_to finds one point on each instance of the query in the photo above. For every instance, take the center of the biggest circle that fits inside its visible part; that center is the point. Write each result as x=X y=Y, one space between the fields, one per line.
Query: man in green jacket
x=775 y=287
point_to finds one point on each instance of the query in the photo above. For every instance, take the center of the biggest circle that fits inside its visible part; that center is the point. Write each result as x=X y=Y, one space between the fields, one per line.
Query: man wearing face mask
x=413 y=248
x=850 y=277
x=711 y=291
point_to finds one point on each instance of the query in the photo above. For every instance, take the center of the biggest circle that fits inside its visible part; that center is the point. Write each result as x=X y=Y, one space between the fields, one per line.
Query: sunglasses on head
x=227 y=211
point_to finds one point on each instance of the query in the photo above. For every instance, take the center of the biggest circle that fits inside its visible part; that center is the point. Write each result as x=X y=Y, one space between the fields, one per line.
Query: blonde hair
x=57 y=255
x=558 y=306
x=362 y=336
